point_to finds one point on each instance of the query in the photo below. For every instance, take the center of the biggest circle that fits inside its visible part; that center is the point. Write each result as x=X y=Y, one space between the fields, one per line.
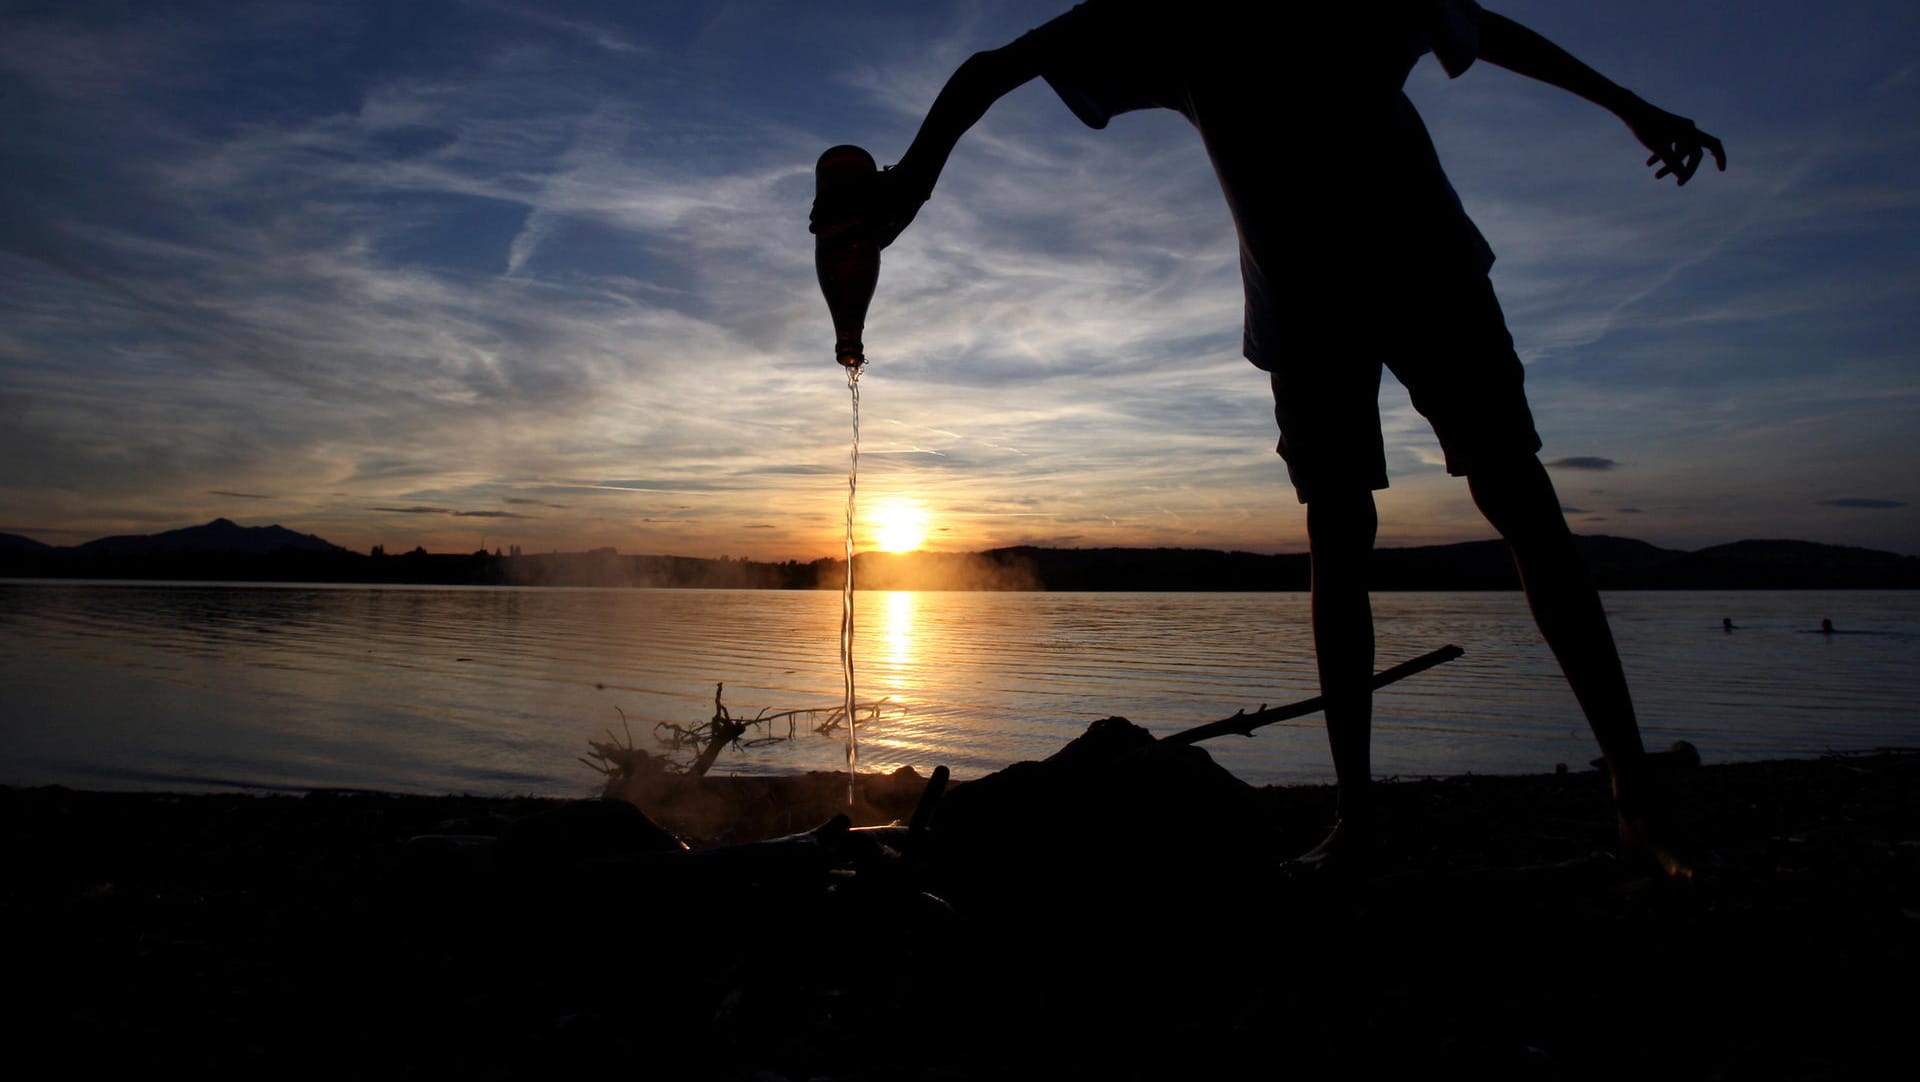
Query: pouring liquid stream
x=847 y=261
x=846 y=592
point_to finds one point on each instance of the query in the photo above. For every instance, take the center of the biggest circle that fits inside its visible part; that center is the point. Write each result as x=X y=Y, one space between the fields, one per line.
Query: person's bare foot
x=1344 y=851
x=1651 y=834
x=1643 y=841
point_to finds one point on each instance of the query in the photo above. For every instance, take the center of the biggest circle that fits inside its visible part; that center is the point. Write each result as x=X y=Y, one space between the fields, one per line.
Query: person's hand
x=897 y=197
x=883 y=207
x=1678 y=147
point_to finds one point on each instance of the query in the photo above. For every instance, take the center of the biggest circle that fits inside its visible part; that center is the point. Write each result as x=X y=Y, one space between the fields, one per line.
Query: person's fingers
x=1681 y=157
x=1692 y=162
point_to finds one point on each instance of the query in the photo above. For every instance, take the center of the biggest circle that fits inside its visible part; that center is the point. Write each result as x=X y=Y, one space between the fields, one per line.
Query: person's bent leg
x=1340 y=534
x=1519 y=500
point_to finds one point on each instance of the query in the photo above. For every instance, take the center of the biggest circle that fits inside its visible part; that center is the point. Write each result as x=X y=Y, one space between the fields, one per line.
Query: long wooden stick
x=1243 y=723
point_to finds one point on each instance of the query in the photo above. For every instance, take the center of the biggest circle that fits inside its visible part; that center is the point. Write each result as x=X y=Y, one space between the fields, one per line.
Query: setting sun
x=899 y=525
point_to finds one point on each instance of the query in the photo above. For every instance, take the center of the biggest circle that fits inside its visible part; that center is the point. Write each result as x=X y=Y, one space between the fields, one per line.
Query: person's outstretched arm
x=983 y=79
x=1677 y=145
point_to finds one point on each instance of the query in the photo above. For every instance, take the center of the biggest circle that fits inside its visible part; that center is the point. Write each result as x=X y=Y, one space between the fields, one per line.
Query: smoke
x=944 y=571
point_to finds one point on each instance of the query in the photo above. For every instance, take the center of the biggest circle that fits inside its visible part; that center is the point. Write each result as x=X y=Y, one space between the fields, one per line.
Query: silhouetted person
x=1826 y=627
x=1354 y=251
x=1726 y=623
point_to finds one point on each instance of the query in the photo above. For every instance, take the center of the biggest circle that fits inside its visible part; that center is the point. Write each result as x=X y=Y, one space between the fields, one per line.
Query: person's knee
x=1341 y=519
x=1517 y=497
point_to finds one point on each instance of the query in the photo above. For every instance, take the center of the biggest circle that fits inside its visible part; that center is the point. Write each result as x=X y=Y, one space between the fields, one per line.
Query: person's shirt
x=1332 y=179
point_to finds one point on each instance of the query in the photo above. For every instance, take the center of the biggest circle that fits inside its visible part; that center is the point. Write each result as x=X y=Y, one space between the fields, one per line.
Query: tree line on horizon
x=225 y=551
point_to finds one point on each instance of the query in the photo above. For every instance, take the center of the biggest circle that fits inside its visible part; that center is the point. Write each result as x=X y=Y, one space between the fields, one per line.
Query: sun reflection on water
x=895 y=662
x=897 y=634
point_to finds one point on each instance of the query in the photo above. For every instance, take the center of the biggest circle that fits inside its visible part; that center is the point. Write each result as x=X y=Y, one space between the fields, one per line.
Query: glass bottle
x=845 y=257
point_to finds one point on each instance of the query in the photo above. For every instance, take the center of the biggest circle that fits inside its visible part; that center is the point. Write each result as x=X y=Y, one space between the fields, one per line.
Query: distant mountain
x=221 y=550
x=1615 y=563
x=224 y=551
x=1785 y=565
x=1618 y=563
x=1033 y=568
x=221 y=537
x=13 y=542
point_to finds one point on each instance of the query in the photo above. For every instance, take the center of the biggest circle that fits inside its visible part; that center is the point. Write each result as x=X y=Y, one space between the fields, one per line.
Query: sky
x=495 y=273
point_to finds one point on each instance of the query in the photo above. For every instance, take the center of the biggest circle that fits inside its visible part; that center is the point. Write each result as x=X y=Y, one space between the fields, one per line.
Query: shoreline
x=260 y=932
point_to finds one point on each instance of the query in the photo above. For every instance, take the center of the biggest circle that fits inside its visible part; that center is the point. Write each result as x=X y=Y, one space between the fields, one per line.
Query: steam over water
x=425 y=689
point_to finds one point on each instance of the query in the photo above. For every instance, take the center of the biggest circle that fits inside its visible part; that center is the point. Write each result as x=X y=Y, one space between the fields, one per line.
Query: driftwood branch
x=619 y=761
x=724 y=729
x=1243 y=723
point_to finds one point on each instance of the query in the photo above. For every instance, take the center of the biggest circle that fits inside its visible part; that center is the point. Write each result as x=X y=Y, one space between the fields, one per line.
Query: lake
x=189 y=686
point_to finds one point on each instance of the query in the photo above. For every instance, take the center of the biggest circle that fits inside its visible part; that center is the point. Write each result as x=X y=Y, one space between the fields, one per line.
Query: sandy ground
x=1105 y=936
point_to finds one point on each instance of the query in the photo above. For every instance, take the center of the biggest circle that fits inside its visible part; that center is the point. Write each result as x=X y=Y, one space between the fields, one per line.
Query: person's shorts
x=1449 y=348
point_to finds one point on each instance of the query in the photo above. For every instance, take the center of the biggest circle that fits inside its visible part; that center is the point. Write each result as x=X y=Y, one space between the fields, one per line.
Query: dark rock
x=1115 y=812
x=578 y=833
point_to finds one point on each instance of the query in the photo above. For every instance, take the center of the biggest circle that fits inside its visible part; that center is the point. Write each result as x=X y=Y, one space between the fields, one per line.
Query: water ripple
x=449 y=689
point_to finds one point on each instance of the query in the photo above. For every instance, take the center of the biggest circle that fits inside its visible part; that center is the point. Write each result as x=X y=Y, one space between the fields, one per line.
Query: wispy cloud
x=558 y=262
x=1863 y=502
x=447 y=511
